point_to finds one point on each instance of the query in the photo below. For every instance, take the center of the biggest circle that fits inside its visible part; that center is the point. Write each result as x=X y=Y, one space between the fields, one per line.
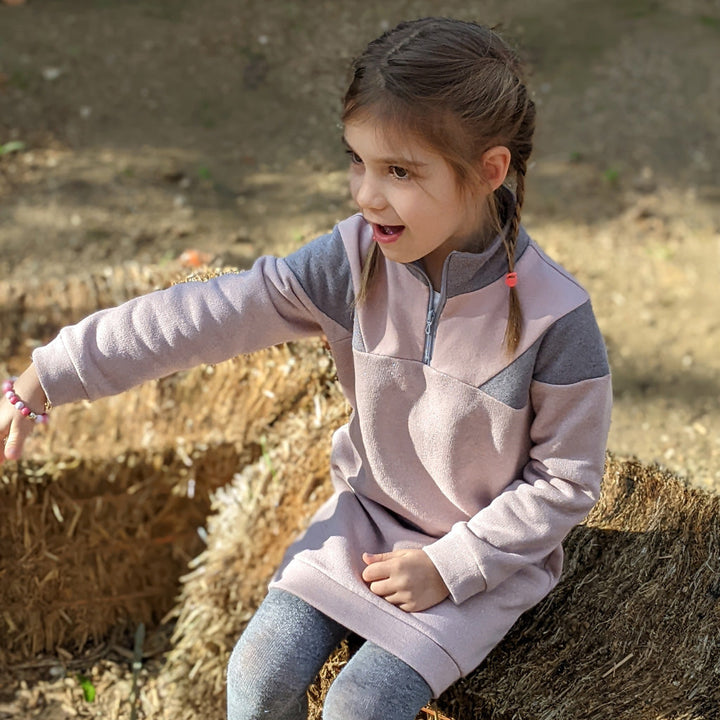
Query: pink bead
x=7 y=385
x=14 y=400
x=25 y=410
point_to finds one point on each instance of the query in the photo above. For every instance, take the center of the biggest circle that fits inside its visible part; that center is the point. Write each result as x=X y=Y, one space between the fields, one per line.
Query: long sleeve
x=198 y=322
x=571 y=397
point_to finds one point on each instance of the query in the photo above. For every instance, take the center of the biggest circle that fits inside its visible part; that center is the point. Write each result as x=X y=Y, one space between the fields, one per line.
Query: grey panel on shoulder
x=572 y=349
x=323 y=271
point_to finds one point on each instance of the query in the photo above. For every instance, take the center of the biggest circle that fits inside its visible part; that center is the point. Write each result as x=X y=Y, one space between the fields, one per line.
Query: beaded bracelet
x=8 y=388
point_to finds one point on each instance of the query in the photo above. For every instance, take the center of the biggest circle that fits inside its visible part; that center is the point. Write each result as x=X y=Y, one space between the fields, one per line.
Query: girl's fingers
x=4 y=435
x=13 y=443
x=383 y=588
x=376 y=571
x=401 y=600
x=15 y=440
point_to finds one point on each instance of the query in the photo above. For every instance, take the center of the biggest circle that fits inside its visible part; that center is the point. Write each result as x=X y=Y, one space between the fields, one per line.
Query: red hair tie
x=511 y=279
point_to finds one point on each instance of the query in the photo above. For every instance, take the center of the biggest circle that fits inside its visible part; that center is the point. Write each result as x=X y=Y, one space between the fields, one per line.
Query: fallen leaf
x=192 y=258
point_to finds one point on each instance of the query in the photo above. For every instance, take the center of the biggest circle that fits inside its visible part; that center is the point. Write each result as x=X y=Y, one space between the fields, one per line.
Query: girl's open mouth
x=387 y=233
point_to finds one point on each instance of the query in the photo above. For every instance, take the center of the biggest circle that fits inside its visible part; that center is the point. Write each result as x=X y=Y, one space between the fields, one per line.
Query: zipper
x=433 y=312
x=429 y=329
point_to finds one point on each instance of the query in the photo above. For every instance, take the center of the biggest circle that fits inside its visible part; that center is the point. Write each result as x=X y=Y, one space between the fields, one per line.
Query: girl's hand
x=406 y=578
x=14 y=427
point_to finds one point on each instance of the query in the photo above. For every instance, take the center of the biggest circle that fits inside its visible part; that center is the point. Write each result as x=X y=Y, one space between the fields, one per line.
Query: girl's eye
x=399 y=173
x=355 y=159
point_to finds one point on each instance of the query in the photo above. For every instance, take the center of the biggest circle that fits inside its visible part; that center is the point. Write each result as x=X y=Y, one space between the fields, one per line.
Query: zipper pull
x=429 y=321
x=428 y=334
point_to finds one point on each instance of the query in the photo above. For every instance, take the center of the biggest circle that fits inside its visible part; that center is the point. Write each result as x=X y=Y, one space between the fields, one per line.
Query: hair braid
x=513 y=328
x=521 y=148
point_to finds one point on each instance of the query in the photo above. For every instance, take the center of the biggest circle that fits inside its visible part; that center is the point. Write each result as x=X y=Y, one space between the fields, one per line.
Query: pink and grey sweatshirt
x=483 y=460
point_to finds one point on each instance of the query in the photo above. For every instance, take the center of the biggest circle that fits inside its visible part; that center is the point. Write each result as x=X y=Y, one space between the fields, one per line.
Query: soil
x=136 y=131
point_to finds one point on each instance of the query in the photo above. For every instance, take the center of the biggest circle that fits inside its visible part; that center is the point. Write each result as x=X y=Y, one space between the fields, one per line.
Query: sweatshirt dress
x=482 y=459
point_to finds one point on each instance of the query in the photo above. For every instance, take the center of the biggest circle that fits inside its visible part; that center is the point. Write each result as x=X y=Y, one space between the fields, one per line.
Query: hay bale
x=75 y=528
x=631 y=632
x=227 y=402
x=98 y=543
x=94 y=545
x=255 y=517
x=96 y=538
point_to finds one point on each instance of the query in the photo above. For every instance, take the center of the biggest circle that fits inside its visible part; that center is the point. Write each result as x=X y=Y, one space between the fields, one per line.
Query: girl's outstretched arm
x=277 y=300
x=15 y=427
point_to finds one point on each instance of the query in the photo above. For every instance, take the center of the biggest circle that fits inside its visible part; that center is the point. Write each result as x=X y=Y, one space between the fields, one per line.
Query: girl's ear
x=495 y=164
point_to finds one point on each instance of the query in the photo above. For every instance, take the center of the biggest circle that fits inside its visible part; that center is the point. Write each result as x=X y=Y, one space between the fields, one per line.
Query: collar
x=465 y=272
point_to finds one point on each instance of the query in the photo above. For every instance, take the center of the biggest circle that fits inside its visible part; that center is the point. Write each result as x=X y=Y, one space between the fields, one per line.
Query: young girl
x=473 y=363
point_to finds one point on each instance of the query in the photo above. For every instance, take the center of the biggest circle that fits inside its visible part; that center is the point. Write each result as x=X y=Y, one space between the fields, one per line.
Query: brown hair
x=458 y=87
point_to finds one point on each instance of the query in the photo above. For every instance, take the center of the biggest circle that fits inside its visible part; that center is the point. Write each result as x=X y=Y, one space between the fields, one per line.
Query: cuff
x=57 y=373
x=456 y=564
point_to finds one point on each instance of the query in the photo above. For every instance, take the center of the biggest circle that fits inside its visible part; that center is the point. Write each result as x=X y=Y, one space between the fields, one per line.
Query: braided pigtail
x=513 y=329
x=520 y=145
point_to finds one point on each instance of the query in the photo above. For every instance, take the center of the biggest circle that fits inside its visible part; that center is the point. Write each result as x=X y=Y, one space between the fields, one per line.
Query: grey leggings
x=281 y=652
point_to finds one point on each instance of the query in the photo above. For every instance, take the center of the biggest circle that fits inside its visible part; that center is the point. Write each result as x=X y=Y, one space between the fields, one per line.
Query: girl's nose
x=369 y=194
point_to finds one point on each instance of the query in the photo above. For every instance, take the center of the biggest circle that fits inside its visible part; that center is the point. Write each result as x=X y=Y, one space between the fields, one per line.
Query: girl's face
x=410 y=196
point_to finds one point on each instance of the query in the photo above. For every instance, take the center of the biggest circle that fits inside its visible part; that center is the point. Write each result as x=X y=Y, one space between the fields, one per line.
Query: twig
x=98 y=653
x=617 y=665
x=432 y=714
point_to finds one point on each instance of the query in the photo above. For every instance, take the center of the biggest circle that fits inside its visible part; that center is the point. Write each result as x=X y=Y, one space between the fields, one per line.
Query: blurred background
x=174 y=133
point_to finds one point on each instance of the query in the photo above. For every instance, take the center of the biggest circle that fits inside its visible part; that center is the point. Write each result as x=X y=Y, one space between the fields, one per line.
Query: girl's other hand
x=406 y=578
x=14 y=427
